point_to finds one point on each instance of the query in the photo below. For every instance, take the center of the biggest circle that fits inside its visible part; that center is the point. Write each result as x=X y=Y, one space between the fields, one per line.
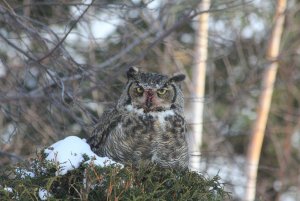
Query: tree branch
x=66 y=35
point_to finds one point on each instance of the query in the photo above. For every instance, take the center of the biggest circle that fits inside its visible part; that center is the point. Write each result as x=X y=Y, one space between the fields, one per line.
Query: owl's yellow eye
x=139 y=90
x=161 y=91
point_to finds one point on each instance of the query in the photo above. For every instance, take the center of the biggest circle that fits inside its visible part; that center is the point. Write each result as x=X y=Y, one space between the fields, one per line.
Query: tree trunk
x=263 y=108
x=198 y=80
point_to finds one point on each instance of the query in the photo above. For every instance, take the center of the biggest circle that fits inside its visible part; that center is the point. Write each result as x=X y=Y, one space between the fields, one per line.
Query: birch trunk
x=263 y=108
x=198 y=80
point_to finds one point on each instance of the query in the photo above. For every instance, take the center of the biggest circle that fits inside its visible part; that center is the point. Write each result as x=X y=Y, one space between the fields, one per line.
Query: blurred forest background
x=62 y=62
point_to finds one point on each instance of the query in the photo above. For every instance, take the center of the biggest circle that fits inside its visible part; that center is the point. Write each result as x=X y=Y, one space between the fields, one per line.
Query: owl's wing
x=107 y=122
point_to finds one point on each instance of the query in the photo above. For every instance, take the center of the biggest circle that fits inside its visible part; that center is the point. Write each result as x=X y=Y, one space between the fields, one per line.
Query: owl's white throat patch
x=160 y=115
x=130 y=108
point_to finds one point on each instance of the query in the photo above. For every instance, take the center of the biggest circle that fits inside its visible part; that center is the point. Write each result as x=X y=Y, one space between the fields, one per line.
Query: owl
x=146 y=124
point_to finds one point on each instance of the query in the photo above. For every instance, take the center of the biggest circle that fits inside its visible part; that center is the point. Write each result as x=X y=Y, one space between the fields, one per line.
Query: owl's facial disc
x=152 y=100
x=152 y=92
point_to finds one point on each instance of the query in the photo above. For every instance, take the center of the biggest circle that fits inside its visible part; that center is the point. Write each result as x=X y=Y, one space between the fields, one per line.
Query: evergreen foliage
x=112 y=182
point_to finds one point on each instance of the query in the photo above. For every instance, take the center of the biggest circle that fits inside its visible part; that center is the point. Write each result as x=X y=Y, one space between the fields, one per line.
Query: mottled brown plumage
x=147 y=123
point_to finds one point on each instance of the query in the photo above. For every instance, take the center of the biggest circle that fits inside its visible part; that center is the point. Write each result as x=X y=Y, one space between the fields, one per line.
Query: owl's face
x=152 y=92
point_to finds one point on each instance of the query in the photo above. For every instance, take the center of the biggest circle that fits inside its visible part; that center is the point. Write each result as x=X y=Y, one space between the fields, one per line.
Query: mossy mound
x=112 y=182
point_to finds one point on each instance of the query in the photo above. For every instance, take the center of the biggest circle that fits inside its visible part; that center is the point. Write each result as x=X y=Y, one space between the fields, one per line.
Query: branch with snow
x=69 y=153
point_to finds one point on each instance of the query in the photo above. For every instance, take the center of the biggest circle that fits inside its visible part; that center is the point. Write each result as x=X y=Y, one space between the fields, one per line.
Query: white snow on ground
x=24 y=173
x=11 y=190
x=68 y=154
x=231 y=173
x=44 y=194
x=8 y=189
x=231 y=170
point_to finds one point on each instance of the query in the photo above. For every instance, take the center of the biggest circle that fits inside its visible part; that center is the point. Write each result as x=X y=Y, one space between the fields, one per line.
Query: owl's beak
x=149 y=98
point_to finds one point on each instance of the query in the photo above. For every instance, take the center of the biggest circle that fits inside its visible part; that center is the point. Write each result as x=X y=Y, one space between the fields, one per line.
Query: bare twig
x=66 y=35
x=16 y=47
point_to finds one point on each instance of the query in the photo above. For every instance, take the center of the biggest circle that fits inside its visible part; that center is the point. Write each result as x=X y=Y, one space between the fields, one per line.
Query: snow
x=8 y=189
x=44 y=194
x=24 y=173
x=231 y=172
x=69 y=153
x=11 y=190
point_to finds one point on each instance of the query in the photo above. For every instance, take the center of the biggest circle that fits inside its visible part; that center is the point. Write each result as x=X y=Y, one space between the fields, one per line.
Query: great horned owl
x=147 y=123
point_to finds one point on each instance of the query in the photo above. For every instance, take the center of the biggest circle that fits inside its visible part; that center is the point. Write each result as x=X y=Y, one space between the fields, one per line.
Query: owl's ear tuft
x=177 y=78
x=132 y=72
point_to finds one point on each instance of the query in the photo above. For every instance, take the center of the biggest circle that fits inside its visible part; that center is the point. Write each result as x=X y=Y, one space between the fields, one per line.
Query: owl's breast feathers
x=131 y=136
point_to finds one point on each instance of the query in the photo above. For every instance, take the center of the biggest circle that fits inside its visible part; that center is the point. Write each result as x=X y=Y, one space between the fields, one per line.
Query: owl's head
x=152 y=92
